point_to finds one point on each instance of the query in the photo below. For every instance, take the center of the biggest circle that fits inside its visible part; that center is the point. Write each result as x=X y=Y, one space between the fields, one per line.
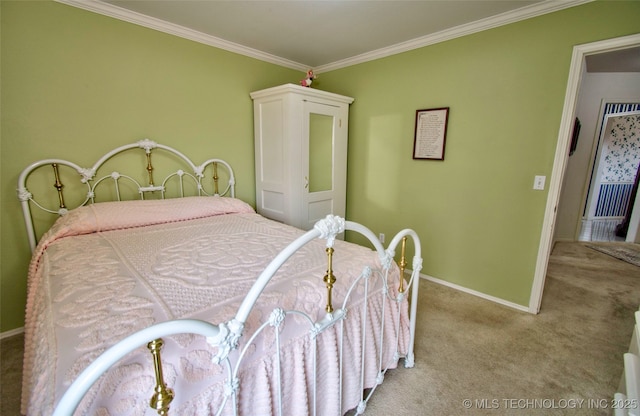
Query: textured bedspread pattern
x=107 y=270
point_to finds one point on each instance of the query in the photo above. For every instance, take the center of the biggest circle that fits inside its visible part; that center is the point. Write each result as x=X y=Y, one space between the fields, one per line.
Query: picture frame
x=430 y=133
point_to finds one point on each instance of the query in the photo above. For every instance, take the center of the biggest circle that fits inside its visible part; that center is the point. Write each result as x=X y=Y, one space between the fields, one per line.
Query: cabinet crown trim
x=306 y=91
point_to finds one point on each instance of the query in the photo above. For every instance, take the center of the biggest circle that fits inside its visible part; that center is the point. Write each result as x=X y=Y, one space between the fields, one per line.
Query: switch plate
x=538 y=183
x=381 y=237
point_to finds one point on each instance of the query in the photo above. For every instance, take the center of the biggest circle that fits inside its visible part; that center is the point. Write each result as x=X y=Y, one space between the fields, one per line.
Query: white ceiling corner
x=323 y=35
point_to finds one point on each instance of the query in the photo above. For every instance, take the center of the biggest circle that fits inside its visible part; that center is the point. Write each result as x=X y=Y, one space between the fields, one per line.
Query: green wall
x=76 y=83
x=477 y=215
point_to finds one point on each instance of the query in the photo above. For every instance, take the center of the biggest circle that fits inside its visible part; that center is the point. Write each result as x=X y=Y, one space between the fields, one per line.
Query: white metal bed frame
x=87 y=177
x=225 y=336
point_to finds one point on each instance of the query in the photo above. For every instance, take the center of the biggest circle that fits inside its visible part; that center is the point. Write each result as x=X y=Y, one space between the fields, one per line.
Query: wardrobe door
x=273 y=168
x=324 y=162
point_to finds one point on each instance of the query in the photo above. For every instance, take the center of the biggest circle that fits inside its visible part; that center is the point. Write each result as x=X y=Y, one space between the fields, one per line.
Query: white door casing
x=562 y=154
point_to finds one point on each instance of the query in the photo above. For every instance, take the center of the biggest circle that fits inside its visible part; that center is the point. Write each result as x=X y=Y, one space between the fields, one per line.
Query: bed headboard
x=141 y=170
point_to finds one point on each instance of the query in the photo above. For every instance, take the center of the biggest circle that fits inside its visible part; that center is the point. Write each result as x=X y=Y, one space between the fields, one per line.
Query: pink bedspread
x=107 y=270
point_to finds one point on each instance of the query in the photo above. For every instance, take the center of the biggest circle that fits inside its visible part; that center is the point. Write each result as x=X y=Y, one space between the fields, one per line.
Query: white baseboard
x=476 y=293
x=11 y=333
x=564 y=240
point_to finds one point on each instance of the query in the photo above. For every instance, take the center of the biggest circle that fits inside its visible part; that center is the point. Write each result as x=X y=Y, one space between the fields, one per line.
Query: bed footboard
x=88 y=377
x=371 y=328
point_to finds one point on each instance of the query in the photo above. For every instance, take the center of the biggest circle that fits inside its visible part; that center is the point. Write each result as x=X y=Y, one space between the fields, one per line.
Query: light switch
x=538 y=182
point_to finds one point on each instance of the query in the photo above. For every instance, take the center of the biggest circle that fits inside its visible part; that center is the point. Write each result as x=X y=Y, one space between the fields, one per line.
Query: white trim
x=11 y=333
x=561 y=156
x=120 y=13
x=475 y=293
x=527 y=12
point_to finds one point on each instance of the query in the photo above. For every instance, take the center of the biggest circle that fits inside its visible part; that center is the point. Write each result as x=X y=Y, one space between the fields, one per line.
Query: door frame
x=562 y=154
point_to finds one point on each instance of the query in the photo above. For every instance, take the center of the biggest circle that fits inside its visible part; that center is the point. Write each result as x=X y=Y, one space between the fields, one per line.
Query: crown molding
x=528 y=12
x=534 y=10
x=123 y=14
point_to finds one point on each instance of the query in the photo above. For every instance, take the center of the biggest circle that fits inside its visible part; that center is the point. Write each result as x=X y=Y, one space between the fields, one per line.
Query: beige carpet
x=472 y=349
x=511 y=362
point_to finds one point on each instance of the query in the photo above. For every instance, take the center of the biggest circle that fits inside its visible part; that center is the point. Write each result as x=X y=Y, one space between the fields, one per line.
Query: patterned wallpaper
x=621 y=150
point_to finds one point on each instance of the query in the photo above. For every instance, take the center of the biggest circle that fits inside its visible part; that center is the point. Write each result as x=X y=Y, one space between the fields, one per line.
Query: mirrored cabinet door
x=324 y=162
x=320 y=156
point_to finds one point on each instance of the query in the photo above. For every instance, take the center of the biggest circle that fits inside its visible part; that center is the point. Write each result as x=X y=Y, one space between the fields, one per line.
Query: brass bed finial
x=162 y=395
x=149 y=167
x=215 y=178
x=329 y=278
x=402 y=264
x=58 y=185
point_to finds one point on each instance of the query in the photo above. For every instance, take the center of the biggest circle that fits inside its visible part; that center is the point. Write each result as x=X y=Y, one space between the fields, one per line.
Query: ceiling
x=316 y=33
x=323 y=34
x=624 y=60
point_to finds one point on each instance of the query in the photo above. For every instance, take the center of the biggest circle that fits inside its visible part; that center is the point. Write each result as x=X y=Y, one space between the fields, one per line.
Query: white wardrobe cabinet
x=300 y=153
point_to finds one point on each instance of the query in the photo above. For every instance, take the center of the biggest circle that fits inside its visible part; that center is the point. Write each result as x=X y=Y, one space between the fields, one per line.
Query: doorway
x=576 y=72
x=612 y=182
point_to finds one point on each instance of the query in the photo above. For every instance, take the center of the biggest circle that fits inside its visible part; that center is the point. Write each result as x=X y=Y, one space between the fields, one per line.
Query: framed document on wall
x=431 y=133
